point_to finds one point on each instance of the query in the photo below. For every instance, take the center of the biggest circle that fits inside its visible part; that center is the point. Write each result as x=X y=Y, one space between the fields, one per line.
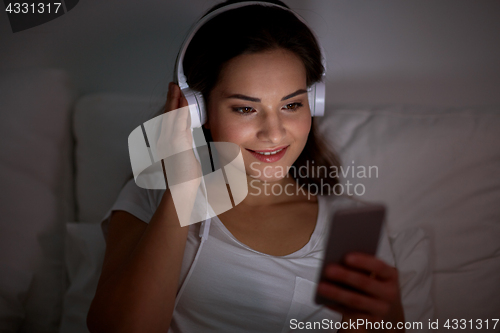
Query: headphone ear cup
x=311 y=95
x=201 y=107
x=319 y=99
x=316 y=97
x=196 y=107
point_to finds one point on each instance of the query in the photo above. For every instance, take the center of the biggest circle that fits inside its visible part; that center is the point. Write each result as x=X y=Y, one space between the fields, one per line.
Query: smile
x=269 y=155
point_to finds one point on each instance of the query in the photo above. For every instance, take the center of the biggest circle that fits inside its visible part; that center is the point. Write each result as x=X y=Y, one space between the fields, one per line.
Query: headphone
x=316 y=92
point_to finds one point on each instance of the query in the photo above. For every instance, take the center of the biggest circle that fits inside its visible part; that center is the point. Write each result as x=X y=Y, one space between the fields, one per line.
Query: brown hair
x=253 y=29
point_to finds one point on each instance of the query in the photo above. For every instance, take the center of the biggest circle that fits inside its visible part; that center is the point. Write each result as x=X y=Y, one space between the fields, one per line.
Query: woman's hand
x=175 y=133
x=378 y=297
x=175 y=98
x=175 y=145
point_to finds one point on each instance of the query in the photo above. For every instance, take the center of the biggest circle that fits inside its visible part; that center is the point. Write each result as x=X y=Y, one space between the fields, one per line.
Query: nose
x=272 y=129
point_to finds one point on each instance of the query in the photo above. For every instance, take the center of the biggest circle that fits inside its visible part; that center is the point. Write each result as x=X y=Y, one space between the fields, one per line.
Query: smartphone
x=354 y=229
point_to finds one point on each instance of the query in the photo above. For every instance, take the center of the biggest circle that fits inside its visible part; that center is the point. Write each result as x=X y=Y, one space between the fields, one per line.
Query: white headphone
x=316 y=93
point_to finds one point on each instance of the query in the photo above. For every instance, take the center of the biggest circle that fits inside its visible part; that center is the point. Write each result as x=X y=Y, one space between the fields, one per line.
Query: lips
x=270 y=150
x=269 y=155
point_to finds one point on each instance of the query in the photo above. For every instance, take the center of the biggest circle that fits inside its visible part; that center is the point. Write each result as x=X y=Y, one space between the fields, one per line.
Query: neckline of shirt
x=310 y=245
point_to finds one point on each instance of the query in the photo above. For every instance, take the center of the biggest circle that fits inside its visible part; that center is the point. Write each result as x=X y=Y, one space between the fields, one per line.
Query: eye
x=293 y=106
x=243 y=110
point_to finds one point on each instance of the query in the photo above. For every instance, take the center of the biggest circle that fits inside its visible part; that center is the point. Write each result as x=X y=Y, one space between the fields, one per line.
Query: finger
x=174 y=125
x=346 y=312
x=353 y=301
x=182 y=117
x=371 y=264
x=172 y=97
x=167 y=122
x=179 y=97
x=340 y=309
x=354 y=316
x=183 y=101
x=169 y=98
x=383 y=289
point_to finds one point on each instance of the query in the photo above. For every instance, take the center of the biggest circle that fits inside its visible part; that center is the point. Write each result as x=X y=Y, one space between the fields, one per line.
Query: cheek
x=302 y=128
x=230 y=130
x=230 y=133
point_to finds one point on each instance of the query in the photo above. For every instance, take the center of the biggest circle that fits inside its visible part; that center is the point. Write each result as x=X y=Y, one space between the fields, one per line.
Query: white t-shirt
x=225 y=286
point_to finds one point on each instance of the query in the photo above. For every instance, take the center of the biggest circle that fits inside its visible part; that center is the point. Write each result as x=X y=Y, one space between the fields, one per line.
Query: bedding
x=35 y=178
x=436 y=169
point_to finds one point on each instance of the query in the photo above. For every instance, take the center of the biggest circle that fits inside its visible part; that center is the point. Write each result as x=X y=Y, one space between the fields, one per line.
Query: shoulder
x=139 y=202
x=135 y=198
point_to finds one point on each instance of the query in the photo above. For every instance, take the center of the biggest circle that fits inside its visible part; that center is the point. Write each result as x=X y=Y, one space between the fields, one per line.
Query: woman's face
x=260 y=103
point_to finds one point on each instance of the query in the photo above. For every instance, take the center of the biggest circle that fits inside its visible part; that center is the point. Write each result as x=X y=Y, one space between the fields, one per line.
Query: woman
x=253 y=66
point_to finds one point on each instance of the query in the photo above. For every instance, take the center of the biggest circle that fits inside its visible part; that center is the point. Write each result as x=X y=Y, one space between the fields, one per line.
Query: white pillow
x=85 y=248
x=102 y=124
x=437 y=169
x=412 y=251
x=35 y=179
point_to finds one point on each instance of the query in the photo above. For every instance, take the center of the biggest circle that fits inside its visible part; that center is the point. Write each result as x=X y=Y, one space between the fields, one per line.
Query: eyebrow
x=255 y=99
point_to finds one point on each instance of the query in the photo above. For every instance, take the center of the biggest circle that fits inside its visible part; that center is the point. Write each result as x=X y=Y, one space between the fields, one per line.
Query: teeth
x=270 y=153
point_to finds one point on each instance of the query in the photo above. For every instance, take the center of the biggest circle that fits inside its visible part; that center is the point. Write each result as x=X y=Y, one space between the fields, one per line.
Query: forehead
x=276 y=71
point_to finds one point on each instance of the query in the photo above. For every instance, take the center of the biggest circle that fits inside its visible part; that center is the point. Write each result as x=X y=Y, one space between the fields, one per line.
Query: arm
x=138 y=284
x=137 y=288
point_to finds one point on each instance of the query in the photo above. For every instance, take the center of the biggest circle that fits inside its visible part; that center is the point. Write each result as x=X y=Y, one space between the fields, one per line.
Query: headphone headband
x=179 y=72
x=195 y=100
